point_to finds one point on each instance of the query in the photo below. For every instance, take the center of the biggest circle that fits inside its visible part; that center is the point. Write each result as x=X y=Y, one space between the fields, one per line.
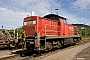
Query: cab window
x=30 y=22
x=55 y=18
x=64 y=20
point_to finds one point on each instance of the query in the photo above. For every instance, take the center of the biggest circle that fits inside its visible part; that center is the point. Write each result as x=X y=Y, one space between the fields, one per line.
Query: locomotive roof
x=54 y=15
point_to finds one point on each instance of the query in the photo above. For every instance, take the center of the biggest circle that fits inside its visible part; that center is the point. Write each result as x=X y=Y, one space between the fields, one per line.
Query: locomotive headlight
x=34 y=22
x=25 y=23
x=30 y=22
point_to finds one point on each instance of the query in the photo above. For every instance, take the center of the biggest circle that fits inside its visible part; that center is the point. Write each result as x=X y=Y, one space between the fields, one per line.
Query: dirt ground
x=7 y=53
x=83 y=55
x=79 y=52
x=72 y=54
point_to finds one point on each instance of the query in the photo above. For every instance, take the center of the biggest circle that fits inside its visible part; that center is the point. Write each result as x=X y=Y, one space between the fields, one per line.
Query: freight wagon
x=48 y=32
x=6 y=40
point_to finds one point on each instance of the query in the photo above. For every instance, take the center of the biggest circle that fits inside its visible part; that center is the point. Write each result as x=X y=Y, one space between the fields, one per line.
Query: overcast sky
x=12 y=12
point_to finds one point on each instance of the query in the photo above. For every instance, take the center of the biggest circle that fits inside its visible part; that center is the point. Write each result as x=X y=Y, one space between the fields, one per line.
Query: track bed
x=16 y=56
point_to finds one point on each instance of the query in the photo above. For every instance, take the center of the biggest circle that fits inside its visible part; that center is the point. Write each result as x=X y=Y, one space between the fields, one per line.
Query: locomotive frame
x=40 y=43
x=51 y=31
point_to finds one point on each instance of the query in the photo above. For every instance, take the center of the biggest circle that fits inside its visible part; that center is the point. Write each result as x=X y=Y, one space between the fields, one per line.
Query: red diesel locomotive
x=48 y=32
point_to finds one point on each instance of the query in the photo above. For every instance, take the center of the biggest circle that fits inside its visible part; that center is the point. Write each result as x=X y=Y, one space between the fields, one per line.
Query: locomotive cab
x=52 y=16
x=61 y=24
x=55 y=17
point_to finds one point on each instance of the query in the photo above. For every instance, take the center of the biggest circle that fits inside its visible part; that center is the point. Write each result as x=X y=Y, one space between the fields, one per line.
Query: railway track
x=16 y=55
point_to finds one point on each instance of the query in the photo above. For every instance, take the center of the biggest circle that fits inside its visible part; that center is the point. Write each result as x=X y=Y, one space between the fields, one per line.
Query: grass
x=85 y=37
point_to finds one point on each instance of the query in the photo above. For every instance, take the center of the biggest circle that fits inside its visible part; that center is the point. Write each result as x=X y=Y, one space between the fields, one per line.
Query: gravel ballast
x=83 y=55
x=67 y=54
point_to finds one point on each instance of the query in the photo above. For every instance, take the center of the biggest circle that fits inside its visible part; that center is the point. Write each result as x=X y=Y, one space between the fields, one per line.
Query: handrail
x=53 y=32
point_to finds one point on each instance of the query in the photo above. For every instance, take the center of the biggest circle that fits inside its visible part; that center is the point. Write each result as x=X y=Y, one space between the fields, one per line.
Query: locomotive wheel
x=62 y=43
x=22 y=55
x=48 y=46
x=78 y=39
x=10 y=47
x=59 y=45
